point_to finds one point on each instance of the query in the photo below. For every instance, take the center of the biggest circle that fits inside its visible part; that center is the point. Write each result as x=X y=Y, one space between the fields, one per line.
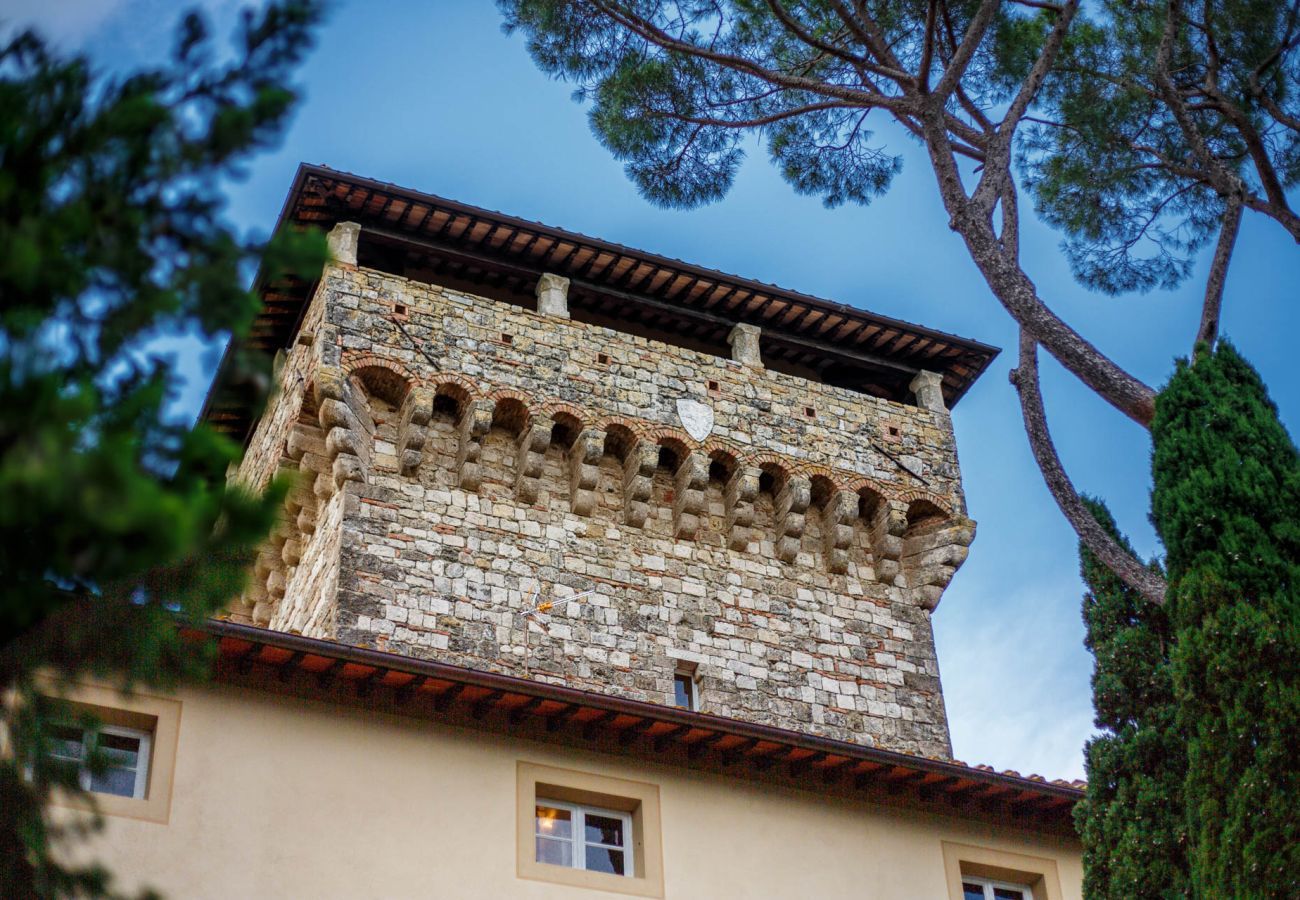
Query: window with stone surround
x=136 y=738
x=591 y=831
x=989 y=873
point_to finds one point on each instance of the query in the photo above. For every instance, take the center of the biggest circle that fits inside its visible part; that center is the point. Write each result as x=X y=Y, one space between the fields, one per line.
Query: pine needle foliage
x=1131 y=820
x=116 y=520
x=1226 y=503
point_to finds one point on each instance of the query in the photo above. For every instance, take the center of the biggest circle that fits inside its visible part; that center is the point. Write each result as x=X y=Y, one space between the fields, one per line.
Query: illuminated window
x=987 y=889
x=584 y=837
x=592 y=831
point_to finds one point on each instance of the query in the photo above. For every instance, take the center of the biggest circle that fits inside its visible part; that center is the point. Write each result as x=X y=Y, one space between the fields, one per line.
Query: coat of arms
x=696 y=418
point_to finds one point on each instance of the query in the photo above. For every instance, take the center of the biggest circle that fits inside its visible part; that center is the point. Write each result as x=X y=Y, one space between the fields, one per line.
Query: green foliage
x=1131 y=821
x=1108 y=162
x=1225 y=501
x=677 y=87
x=115 y=519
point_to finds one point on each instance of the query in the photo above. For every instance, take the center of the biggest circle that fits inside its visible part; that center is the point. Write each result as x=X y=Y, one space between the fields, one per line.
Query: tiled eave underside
x=668 y=734
x=452 y=242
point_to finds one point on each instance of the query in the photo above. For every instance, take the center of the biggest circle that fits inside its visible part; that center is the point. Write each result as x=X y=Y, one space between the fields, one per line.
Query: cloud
x=1015 y=679
x=68 y=23
x=111 y=29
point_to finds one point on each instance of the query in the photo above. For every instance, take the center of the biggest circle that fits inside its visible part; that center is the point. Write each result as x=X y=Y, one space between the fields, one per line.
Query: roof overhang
x=491 y=700
x=431 y=238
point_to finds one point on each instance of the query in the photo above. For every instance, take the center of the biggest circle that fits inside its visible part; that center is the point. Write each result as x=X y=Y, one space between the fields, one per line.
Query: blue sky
x=432 y=96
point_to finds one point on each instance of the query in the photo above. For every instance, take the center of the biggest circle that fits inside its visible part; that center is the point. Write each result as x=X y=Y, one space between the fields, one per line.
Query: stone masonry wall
x=463 y=460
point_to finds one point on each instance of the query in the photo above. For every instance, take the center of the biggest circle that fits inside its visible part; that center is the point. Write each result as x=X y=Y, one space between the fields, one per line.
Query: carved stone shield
x=696 y=418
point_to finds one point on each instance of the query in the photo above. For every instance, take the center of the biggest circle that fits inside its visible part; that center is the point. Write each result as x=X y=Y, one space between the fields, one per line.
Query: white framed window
x=125 y=751
x=988 y=889
x=685 y=691
x=583 y=837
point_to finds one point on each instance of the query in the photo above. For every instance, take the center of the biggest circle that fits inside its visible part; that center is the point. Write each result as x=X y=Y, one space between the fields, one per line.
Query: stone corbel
x=342 y=241
x=638 y=482
x=689 y=482
x=534 y=441
x=888 y=525
x=584 y=470
x=305 y=447
x=553 y=295
x=742 y=488
x=474 y=425
x=791 y=505
x=413 y=430
x=837 y=529
x=343 y=432
x=927 y=387
x=932 y=555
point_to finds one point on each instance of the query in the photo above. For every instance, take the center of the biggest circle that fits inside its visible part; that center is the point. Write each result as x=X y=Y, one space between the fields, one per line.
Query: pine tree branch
x=1125 y=566
x=1208 y=332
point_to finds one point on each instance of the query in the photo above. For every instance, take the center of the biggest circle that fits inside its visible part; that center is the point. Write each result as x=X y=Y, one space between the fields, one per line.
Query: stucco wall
x=279 y=797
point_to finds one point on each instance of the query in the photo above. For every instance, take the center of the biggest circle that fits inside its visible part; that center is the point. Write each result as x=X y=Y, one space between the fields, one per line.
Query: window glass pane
x=119 y=750
x=118 y=781
x=1008 y=893
x=604 y=830
x=972 y=891
x=553 y=822
x=684 y=687
x=555 y=852
x=65 y=742
x=604 y=859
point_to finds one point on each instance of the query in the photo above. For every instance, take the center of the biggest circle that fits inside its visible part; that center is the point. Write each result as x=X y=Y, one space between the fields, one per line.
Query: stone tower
x=489 y=416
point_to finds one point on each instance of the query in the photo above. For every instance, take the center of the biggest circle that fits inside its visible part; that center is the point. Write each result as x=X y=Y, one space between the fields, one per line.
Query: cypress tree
x=1226 y=503
x=1131 y=820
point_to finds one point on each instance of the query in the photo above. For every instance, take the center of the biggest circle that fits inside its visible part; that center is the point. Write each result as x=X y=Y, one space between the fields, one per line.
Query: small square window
x=987 y=889
x=810 y=412
x=136 y=740
x=506 y=338
x=124 y=751
x=602 y=358
x=399 y=309
x=584 y=837
x=713 y=386
x=589 y=831
x=685 y=691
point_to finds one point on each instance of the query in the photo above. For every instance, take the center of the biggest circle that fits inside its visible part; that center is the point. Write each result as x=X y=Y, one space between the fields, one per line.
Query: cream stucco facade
x=282 y=796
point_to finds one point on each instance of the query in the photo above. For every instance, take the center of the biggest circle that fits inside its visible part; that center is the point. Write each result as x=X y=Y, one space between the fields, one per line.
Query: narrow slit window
x=685 y=691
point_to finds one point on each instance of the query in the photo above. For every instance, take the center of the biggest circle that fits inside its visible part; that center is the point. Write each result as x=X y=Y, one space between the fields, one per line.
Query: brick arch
x=823 y=486
x=635 y=426
x=354 y=361
x=775 y=462
x=731 y=458
x=832 y=479
x=914 y=498
x=511 y=394
x=386 y=383
x=576 y=416
x=674 y=439
x=458 y=387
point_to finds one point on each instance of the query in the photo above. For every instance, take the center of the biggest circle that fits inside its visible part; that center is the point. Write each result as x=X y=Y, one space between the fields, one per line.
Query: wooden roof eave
x=662 y=727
